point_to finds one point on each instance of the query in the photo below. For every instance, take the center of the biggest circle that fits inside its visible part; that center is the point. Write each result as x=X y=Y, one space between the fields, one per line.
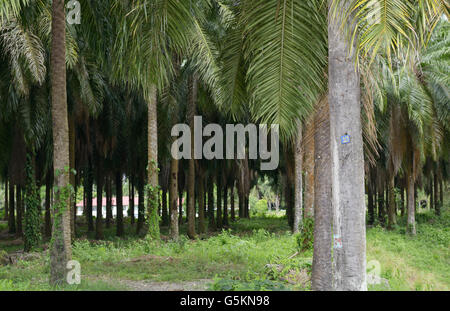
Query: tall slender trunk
x=141 y=207
x=298 y=158
x=152 y=165
x=119 y=205
x=347 y=160
x=131 y=203
x=411 y=221
x=201 y=203
x=441 y=191
x=11 y=216
x=392 y=208
x=48 y=221
x=370 y=201
x=89 y=198
x=108 y=192
x=173 y=198
x=99 y=218
x=381 y=205
x=6 y=200
x=72 y=176
x=232 y=211
x=60 y=251
x=321 y=268
x=225 y=204
x=402 y=207
x=212 y=223
x=431 y=193
x=164 y=211
x=219 y=222
x=308 y=142
x=19 y=210
x=437 y=204
x=193 y=86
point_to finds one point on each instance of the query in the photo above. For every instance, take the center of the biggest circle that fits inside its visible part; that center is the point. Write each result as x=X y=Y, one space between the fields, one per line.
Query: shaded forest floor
x=256 y=254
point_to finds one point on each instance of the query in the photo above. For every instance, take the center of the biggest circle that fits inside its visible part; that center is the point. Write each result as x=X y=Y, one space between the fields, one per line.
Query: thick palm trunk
x=173 y=198
x=309 y=142
x=11 y=216
x=321 y=268
x=392 y=208
x=119 y=205
x=152 y=165
x=60 y=250
x=298 y=158
x=347 y=161
x=191 y=171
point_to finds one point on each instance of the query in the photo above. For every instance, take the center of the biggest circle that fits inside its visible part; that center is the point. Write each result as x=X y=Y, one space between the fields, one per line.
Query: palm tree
x=60 y=251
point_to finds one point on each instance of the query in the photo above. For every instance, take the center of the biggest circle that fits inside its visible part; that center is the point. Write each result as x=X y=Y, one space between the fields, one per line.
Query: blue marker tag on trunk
x=345 y=139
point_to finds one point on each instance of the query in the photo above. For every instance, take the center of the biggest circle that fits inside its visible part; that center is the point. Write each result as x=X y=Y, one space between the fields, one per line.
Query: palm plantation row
x=362 y=111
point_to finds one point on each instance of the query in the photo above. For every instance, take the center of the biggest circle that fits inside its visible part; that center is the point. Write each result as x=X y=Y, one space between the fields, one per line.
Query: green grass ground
x=237 y=259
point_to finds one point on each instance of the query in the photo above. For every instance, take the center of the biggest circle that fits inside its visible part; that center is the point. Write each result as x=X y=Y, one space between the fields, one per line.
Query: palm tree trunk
x=411 y=222
x=164 y=212
x=402 y=207
x=437 y=204
x=173 y=198
x=72 y=181
x=141 y=207
x=201 y=203
x=431 y=194
x=219 y=222
x=108 y=192
x=99 y=218
x=11 y=216
x=309 y=168
x=441 y=191
x=321 y=267
x=89 y=198
x=153 y=190
x=119 y=205
x=193 y=85
x=19 y=209
x=225 y=203
x=347 y=161
x=233 y=212
x=392 y=208
x=298 y=207
x=6 y=200
x=48 y=221
x=131 y=202
x=60 y=252
x=212 y=223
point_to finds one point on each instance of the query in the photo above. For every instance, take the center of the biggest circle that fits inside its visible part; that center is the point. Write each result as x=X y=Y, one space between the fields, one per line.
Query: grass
x=237 y=259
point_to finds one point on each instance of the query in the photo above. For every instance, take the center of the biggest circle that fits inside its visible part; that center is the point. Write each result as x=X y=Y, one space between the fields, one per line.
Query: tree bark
x=321 y=268
x=437 y=204
x=119 y=205
x=225 y=204
x=99 y=218
x=60 y=251
x=232 y=212
x=131 y=203
x=72 y=180
x=173 y=198
x=212 y=223
x=201 y=203
x=392 y=208
x=309 y=142
x=108 y=192
x=48 y=221
x=219 y=222
x=152 y=165
x=411 y=221
x=6 y=200
x=193 y=85
x=11 y=216
x=89 y=198
x=19 y=210
x=347 y=160
x=298 y=158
